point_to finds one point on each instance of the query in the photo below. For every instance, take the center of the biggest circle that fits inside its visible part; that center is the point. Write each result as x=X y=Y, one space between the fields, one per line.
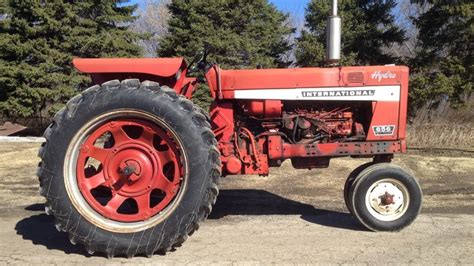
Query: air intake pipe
x=333 y=35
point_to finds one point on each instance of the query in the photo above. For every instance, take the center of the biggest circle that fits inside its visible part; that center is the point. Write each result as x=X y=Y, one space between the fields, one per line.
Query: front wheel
x=348 y=184
x=384 y=197
x=129 y=168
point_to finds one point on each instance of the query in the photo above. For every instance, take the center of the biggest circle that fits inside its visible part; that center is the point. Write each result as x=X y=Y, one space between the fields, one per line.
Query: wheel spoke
x=143 y=203
x=115 y=202
x=147 y=136
x=165 y=156
x=163 y=184
x=99 y=154
x=119 y=134
x=94 y=181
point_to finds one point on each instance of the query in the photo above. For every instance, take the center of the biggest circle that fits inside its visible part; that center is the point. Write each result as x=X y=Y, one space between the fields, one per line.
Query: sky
x=294 y=7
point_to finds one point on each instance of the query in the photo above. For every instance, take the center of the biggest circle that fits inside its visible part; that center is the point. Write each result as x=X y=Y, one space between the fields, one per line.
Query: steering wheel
x=199 y=61
x=195 y=63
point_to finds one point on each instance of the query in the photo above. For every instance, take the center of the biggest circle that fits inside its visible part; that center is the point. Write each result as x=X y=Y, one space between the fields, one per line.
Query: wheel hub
x=387 y=199
x=130 y=169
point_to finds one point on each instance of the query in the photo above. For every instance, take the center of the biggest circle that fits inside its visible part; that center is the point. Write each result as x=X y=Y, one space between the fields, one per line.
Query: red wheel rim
x=129 y=170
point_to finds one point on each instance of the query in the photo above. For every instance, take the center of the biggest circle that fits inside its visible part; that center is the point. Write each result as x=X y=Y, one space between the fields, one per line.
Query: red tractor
x=131 y=166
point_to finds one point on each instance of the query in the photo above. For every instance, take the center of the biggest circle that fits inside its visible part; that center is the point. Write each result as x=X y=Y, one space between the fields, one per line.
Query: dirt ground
x=292 y=216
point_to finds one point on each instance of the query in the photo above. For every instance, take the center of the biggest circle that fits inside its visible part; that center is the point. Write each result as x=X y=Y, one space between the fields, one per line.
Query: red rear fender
x=163 y=67
x=167 y=71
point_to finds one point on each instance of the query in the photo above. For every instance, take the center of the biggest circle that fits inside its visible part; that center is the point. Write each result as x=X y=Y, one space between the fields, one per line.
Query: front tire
x=384 y=197
x=349 y=182
x=129 y=168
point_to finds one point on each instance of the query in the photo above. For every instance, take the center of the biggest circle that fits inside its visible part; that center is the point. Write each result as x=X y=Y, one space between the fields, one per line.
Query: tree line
x=38 y=40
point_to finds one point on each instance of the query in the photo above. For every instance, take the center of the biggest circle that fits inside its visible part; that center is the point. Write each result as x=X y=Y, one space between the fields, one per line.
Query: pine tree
x=443 y=67
x=39 y=40
x=368 y=30
x=243 y=33
x=3 y=9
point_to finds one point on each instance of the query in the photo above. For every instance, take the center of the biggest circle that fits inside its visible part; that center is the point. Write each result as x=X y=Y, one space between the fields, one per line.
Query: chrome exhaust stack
x=333 y=36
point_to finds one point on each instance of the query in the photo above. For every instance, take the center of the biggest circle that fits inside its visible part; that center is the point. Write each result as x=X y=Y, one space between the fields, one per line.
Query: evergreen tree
x=243 y=33
x=39 y=40
x=368 y=30
x=3 y=10
x=444 y=63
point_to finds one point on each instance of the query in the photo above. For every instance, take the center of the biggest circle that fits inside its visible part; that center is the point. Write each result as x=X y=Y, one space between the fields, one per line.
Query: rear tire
x=184 y=200
x=385 y=198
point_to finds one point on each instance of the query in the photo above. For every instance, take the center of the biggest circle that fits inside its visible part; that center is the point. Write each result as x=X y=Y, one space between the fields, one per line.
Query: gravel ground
x=292 y=216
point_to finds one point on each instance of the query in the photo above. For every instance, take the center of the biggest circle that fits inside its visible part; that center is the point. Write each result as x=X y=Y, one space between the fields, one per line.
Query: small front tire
x=350 y=181
x=385 y=198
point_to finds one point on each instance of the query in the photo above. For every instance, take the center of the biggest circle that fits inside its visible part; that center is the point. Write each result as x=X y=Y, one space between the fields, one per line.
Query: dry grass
x=442 y=136
x=443 y=128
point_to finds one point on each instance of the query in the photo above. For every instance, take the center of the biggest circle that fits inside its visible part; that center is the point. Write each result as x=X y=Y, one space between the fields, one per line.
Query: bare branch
x=153 y=19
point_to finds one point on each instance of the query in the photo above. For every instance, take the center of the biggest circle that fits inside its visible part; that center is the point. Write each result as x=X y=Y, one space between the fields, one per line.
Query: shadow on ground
x=39 y=227
x=261 y=202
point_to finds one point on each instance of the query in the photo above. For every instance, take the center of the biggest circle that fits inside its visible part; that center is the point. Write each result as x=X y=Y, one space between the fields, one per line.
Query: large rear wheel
x=129 y=168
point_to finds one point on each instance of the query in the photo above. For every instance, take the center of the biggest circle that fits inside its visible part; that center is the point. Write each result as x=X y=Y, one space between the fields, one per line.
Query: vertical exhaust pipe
x=333 y=36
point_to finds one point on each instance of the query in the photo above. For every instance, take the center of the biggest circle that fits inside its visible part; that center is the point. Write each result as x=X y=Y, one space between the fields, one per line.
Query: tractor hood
x=163 y=67
x=272 y=83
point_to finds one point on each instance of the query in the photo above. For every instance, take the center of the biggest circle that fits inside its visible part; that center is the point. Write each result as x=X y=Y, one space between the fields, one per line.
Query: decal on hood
x=379 y=75
x=384 y=130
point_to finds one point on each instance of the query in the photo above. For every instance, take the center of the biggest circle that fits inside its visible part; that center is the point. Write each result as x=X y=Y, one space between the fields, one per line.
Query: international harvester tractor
x=131 y=166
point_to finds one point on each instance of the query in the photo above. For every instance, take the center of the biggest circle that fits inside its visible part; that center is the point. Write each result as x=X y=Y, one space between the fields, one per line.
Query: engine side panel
x=309 y=115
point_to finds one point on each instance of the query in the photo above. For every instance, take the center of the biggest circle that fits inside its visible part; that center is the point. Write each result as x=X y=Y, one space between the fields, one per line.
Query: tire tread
x=163 y=93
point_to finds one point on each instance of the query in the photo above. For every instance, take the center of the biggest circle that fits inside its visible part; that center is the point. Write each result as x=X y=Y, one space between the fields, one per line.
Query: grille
x=355 y=77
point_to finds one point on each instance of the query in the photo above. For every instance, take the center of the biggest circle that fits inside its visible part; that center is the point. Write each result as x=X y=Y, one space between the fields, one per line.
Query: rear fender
x=167 y=71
